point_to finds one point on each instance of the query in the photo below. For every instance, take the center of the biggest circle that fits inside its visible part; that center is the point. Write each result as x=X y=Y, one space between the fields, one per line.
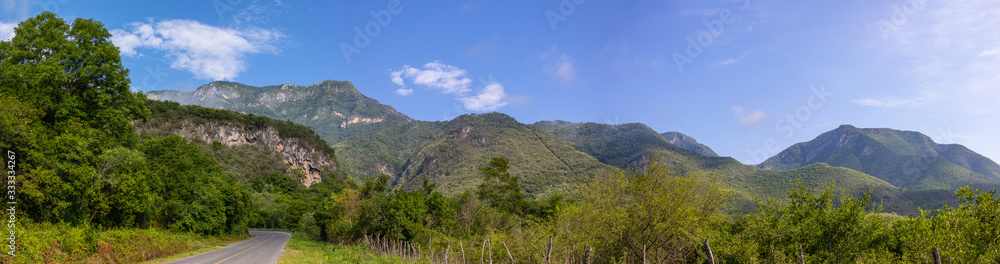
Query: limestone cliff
x=296 y=153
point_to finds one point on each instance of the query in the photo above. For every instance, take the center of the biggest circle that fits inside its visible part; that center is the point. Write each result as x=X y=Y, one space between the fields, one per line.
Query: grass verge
x=63 y=243
x=302 y=249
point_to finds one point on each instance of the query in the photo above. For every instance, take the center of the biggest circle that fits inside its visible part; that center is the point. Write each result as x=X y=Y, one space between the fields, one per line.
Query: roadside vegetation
x=91 y=189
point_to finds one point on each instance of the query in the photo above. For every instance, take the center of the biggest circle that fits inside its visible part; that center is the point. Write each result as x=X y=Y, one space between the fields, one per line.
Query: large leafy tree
x=499 y=188
x=71 y=72
x=71 y=103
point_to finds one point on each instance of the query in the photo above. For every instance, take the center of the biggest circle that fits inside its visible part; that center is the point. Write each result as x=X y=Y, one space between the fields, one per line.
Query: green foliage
x=499 y=188
x=828 y=231
x=620 y=213
x=71 y=73
x=196 y=196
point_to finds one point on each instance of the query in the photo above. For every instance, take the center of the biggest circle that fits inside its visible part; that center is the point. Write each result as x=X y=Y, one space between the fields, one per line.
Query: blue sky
x=745 y=77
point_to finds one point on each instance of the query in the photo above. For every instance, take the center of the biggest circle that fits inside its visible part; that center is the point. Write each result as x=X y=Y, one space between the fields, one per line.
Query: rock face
x=292 y=150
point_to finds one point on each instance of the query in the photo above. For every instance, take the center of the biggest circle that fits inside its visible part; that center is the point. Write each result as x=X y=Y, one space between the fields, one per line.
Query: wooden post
x=708 y=248
x=446 y=252
x=548 y=256
x=802 y=258
x=463 y=251
x=644 y=254
x=508 y=252
x=937 y=256
x=586 y=254
x=482 y=251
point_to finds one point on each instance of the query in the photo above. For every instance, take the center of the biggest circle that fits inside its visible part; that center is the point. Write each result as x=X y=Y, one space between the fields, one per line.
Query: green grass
x=62 y=243
x=301 y=249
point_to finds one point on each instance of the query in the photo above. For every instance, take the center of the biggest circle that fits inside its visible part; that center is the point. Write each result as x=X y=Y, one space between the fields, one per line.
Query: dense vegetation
x=67 y=115
x=93 y=189
x=450 y=158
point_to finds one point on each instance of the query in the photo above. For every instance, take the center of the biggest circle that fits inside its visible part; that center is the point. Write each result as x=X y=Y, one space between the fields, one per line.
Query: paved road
x=265 y=248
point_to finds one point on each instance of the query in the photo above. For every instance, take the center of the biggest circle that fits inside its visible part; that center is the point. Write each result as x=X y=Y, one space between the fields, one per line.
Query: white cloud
x=886 y=102
x=451 y=80
x=489 y=98
x=989 y=52
x=727 y=62
x=446 y=78
x=404 y=91
x=560 y=65
x=748 y=119
x=206 y=51
x=6 y=31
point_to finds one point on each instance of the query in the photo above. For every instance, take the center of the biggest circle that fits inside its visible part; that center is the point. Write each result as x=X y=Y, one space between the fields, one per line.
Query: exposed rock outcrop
x=296 y=154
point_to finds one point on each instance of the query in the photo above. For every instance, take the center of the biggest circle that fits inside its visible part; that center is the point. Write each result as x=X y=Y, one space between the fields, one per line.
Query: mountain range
x=903 y=170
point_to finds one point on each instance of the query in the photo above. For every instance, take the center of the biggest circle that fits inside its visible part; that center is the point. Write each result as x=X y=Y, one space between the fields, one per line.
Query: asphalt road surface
x=265 y=248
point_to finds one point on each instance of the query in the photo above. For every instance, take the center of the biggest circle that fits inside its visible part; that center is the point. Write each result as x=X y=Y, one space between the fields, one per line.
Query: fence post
x=937 y=256
x=508 y=252
x=481 y=251
x=548 y=256
x=708 y=248
x=463 y=251
x=802 y=258
x=644 y=254
x=586 y=254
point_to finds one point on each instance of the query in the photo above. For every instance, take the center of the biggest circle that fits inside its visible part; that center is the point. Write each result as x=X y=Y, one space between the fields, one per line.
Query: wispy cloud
x=7 y=31
x=206 y=51
x=949 y=49
x=450 y=80
x=888 y=102
x=727 y=62
x=560 y=65
x=748 y=118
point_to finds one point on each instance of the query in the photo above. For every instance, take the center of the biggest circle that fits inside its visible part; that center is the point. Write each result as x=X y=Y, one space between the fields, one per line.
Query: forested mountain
x=632 y=145
x=451 y=157
x=334 y=109
x=688 y=143
x=905 y=159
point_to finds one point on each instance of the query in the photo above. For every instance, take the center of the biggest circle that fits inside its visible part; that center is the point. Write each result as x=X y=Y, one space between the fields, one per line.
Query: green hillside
x=905 y=159
x=387 y=150
x=632 y=145
x=452 y=156
x=622 y=145
x=688 y=143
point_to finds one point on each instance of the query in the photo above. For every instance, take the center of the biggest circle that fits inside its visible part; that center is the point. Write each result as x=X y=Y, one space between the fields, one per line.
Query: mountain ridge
x=907 y=159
